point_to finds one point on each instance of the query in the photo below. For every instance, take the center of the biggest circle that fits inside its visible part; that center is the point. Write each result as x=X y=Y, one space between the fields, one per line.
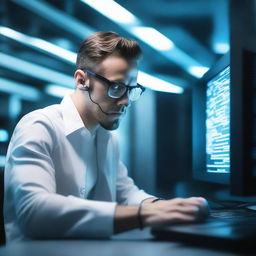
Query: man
x=64 y=177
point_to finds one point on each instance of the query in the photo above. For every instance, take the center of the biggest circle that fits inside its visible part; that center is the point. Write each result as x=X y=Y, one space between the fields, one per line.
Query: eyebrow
x=113 y=81
x=119 y=80
x=129 y=81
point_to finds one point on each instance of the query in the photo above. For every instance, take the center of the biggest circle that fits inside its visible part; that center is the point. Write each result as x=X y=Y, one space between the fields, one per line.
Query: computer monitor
x=211 y=124
x=222 y=131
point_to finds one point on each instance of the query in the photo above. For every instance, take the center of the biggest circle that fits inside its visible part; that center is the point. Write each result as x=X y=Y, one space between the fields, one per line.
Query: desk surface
x=133 y=243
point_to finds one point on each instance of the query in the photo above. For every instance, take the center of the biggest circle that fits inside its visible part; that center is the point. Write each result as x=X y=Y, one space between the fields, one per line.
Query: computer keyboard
x=232 y=213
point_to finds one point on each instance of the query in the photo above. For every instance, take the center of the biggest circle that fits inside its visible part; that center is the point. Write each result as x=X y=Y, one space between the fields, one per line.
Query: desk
x=133 y=243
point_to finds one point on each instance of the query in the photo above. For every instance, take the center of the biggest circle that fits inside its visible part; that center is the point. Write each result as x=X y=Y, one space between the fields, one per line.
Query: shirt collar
x=71 y=116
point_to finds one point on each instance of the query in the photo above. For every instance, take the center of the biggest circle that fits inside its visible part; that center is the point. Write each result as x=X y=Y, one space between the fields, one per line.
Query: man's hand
x=178 y=210
x=161 y=212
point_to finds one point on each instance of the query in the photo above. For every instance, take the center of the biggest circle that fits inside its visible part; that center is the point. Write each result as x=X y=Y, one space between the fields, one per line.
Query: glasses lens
x=135 y=93
x=116 y=90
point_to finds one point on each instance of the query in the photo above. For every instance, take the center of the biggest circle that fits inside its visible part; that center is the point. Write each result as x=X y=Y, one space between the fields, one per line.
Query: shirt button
x=82 y=191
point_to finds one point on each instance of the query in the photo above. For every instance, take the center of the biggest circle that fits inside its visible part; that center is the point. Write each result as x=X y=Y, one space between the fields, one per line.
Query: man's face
x=118 y=69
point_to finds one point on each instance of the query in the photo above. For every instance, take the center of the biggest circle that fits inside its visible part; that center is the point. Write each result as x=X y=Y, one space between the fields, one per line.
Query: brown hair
x=100 y=45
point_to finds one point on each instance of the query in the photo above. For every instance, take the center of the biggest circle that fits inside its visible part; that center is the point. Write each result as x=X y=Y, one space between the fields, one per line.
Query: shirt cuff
x=98 y=219
x=140 y=196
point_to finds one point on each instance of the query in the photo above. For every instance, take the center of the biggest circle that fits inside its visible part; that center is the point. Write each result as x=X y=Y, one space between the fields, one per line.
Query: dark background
x=155 y=137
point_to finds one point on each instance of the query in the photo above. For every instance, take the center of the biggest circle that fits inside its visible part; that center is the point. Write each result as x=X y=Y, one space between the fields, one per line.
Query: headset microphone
x=83 y=88
x=86 y=88
x=96 y=102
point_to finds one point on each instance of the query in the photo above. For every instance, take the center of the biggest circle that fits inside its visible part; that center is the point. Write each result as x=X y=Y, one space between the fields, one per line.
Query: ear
x=81 y=79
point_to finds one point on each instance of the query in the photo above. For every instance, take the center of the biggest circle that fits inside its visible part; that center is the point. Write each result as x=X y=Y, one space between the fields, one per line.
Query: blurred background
x=180 y=39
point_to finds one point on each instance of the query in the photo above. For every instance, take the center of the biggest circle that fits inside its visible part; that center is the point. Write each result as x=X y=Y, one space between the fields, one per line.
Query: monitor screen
x=211 y=124
x=218 y=123
x=224 y=126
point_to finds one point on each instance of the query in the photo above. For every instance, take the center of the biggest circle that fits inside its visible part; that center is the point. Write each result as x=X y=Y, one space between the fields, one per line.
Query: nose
x=124 y=100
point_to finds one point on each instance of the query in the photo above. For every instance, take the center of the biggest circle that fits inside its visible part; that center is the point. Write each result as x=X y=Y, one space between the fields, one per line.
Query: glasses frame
x=111 y=83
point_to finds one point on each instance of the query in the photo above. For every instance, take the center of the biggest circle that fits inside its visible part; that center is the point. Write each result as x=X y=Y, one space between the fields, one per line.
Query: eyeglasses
x=117 y=90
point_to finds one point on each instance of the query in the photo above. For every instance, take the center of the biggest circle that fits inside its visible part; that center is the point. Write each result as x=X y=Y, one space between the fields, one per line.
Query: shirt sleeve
x=127 y=192
x=31 y=200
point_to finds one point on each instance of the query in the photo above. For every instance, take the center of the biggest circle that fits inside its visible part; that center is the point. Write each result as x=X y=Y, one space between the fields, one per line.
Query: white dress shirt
x=90 y=156
x=53 y=186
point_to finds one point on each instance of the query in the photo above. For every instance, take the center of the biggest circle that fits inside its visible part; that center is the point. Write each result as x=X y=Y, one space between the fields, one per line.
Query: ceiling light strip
x=149 y=35
x=24 y=91
x=34 y=70
x=61 y=19
x=38 y=44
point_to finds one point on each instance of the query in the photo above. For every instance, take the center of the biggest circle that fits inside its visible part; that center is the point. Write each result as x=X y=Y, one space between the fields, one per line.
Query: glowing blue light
x=34 y=70
x=15 y=88
x=39 y=43
x=197 y=71
x=149 y=35
x=57 y=90
x=221 y=48
x=56 y=16
x=112 y=10
x=157 y=84
x=15 y=106
x=154 y=38
x=4 y=135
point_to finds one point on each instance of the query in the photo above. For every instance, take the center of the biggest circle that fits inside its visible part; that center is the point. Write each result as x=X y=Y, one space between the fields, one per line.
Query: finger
x=200 y=200
x=179 y=217
x=190 y=200
x=186 y=209
x=197 y=201
x=201 y=203
x=193 y=216
x=194 y=202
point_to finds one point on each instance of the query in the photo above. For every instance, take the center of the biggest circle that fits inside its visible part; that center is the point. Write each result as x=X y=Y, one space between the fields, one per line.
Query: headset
x=83 y=87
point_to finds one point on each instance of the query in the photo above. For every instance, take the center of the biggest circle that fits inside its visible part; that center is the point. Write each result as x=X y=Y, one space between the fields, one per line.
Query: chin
x=110 y=126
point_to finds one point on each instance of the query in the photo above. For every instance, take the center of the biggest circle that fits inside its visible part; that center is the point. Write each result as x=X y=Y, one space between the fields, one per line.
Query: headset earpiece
x=83 y=87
